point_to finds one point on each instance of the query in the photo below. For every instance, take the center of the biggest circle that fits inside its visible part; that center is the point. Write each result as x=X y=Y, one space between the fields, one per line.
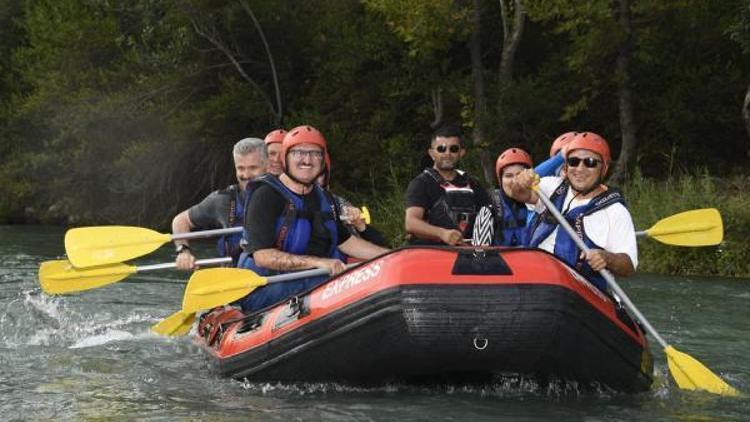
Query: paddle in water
x=208 y=289
x=214 y=287
x=177 y=324
x=688 y=372
x=61 y=277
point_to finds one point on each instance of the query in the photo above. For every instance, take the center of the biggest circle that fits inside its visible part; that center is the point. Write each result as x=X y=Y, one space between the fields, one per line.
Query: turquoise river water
x=92 y=355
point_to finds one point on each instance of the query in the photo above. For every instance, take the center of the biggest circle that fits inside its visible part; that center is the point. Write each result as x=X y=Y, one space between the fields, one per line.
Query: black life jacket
x=457 y=207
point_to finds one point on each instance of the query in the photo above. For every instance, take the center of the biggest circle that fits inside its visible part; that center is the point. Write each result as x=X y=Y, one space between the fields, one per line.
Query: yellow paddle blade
x=690 y=374
x=690 y=228
x=214 y=287
x=60 y=277
x=366 y=214
x=101 y=245
x=177 y=324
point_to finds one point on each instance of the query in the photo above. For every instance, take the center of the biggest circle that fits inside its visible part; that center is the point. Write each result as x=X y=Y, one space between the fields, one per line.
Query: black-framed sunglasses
x=442 y=148
x=589 y=162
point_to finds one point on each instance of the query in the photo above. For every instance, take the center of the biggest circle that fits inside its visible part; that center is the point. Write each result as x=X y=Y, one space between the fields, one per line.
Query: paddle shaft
x=678 y=230
x=229 y=230
x=232 y=230
x=302 y=274
x=206 y=233
x=210 y=261
x=604 y=272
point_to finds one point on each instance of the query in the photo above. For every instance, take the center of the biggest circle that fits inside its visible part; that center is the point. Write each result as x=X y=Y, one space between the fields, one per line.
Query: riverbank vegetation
x=124 y=112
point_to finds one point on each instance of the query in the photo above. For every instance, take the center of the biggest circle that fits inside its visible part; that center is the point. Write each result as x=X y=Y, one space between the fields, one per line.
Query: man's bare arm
x=618 y=263
x=417 y=226
x=275 y=259
x=360 y=248
x=181 y=224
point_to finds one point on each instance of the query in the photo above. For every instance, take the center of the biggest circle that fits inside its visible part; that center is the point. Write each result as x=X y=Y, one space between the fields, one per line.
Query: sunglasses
x=300 y=153
x=442 y=148
x=589 y=162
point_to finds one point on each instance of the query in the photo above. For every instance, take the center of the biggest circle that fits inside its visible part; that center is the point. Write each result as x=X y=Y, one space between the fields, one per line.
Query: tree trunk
x=513 y=16
x=746 y=114
x=512 y=33
x=437 y=107
x=478 y=134
x=279 y=112
x=208 y=30
x=625 y=94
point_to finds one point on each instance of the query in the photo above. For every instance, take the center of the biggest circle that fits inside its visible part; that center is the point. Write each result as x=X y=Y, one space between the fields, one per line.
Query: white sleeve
x=612 y=229
x=547 y=185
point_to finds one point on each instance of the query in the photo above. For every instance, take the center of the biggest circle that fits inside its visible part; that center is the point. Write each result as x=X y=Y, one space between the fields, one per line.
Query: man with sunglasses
x=292 y=224
x=595 y=211
x=442 y=201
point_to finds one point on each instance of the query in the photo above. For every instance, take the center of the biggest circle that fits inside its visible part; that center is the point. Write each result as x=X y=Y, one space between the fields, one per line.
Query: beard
x=445 y=164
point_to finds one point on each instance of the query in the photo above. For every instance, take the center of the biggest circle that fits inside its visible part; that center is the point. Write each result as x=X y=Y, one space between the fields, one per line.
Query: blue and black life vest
x=565 y=248
x=457 y=207
x=294 y=226
x=230 y=244
x=510 y=220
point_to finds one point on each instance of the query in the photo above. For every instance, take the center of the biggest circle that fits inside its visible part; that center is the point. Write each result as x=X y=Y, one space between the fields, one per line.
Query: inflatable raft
x=432 y=314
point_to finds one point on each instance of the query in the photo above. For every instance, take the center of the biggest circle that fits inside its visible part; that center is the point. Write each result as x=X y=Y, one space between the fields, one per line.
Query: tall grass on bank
x=649 y=200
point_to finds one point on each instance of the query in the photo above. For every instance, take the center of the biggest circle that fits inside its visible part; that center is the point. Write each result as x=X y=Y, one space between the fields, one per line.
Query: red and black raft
x=444 y=315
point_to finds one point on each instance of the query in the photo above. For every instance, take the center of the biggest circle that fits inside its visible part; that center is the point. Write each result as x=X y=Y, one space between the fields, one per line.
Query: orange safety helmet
x=275 y=137
x=512 y=156
x=592 y=142
x=560 y=142
x=306 y=134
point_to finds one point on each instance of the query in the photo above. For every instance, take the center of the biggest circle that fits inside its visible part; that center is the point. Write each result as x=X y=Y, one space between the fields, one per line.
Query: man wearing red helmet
x=595 y=211
x=222 y=208
x=505 y=222
x=292 y=224
x=273 y=144
x=553 y=165
x=442 y=202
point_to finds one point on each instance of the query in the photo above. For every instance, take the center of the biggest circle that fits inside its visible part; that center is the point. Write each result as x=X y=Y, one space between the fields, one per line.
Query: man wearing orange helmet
x=553 y=165
x=504 y=223
x=222 y=208
x=442 y=202
x=292 y=224
x=596 y=212
x=273 y=144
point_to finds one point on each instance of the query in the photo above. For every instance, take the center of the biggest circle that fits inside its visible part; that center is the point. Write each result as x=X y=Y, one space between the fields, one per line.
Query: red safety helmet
x=306 y=134
x=275 y=137
x=560 y=142
x=512 y=156
x=592 y=142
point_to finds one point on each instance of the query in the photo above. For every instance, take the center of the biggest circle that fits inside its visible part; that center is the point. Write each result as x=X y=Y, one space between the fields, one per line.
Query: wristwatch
x=182 y=247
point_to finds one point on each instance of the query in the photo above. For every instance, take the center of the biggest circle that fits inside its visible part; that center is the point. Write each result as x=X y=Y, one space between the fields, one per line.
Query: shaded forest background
x=115 y=111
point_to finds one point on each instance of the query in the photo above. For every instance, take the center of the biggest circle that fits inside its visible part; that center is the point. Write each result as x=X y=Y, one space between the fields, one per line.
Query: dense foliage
x=117 y=111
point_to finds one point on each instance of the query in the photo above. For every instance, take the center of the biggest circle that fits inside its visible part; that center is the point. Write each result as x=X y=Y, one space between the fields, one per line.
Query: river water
x=92 y=355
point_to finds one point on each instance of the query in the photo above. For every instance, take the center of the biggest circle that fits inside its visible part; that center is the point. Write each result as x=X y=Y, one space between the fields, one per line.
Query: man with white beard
x=442 y=202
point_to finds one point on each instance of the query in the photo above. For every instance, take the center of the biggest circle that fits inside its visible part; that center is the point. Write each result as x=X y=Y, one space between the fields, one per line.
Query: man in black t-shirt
x=304 y=157
x=293 y=224
x=442 y=201
x=221 y=208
